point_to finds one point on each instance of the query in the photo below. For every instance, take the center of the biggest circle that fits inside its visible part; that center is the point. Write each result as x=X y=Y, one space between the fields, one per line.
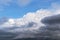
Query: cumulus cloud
x=34 y=17
x=31 y=24
x=26 y=21
x=55 y=5
x=20 y=3
x=6 y=35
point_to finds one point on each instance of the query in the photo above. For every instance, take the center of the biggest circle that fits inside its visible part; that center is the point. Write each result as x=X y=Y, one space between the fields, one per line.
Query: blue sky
x=16 y=10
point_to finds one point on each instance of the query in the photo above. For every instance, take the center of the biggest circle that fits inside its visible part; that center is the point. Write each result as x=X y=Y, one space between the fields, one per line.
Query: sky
x=30 y=17
x=26 y=14
x=18 y=8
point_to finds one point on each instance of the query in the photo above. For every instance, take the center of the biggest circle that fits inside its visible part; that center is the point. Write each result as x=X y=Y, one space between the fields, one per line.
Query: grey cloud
x=51 y=19
x=52 y=30
x=23 y=28
x=43 y=34
x=6 y=35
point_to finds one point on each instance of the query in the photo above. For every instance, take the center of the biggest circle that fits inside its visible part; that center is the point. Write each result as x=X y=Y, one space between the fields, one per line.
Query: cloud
x=5 y=2
x=18 y=2
x=55 y=5
x=23 y=2
x=52 y=20
x=29 y=24
x=52 y=27
x=39 y=30
x=34 y=17
x=6 y=35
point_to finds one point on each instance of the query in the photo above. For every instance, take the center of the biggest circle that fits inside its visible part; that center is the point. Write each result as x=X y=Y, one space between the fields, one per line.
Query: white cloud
x=22 y=23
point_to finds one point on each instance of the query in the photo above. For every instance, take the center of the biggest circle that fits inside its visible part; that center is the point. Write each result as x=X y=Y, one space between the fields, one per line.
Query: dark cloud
x=52 y=30
x=51 y=19
x=44 y=34
x=6 y=35
x=31 y=24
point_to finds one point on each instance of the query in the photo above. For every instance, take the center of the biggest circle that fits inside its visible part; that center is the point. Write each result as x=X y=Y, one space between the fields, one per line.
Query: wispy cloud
x=23 y=2
x=5 y=2
x=55 y=5
x=26 y=19
x=20 y=3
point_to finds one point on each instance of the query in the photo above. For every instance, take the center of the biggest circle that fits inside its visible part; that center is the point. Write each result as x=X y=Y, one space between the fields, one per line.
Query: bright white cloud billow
x=30 y=17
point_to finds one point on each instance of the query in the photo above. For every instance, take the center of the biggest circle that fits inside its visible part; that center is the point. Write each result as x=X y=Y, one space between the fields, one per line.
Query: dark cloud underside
x=51 y=19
